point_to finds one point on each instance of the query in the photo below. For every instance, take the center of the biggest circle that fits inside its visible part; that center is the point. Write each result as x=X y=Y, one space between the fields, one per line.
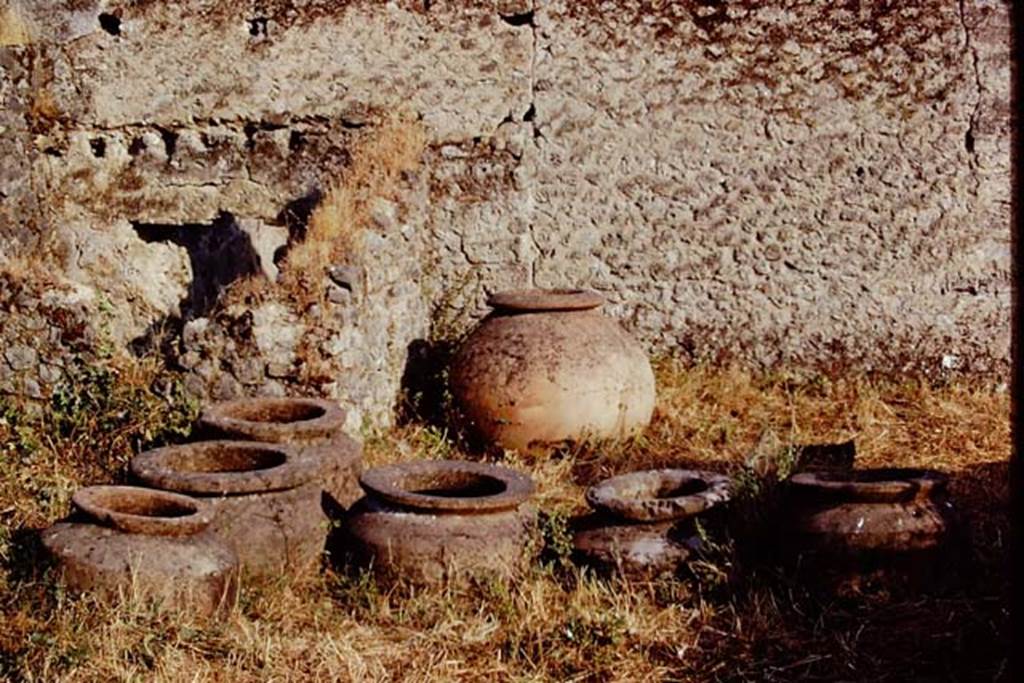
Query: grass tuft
x=336 y=225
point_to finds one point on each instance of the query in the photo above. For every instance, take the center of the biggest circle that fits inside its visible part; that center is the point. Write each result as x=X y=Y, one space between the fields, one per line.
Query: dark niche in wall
x=219 y=253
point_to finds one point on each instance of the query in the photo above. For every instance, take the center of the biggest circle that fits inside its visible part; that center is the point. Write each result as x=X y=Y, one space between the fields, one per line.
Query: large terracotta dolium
x=436 y=520
x=642 y=524
x=314 y=426
x=265 y=498
x=546 y=368
x=124 y=541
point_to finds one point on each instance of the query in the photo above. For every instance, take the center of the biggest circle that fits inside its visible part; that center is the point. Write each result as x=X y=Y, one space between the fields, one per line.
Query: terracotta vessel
x=315 y=425
x=642 y=525
x=869 y=511
x=265 y=498
x=126 y=541
x=434 y=520
x=546 y=368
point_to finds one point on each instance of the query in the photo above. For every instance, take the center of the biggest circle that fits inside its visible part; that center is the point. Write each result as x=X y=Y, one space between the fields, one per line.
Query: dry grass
x=557 y=623
x=36 y=271
x=14 y=29
x=335 y=227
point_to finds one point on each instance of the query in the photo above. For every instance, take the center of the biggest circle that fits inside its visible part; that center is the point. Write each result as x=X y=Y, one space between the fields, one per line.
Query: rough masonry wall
x=803 y=182
x=817 y=184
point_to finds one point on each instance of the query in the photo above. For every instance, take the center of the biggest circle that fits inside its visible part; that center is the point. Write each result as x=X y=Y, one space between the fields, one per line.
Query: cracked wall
x=824 y=185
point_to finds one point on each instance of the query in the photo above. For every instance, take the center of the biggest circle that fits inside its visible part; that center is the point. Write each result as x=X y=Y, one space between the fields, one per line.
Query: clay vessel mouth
x=448 y=486
x=545 y=300
x=275 y=419
x=224 y=467
x=878 y=484
x=659 y=495
x=138 y=510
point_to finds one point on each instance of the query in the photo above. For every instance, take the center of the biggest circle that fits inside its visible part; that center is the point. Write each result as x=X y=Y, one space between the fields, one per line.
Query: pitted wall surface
x=820 y=185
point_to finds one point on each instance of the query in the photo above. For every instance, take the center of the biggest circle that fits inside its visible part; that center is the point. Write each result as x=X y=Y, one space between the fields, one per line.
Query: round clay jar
x=315 y=425
x=125 y=541
x=641 y=525
x=265 y=498
x=432 y=521
x=868 y=512
x=547 y=368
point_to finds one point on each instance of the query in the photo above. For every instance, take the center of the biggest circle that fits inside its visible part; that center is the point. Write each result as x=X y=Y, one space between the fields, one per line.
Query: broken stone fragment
x=280 y=370
x=226 y=387
x=383 y=213
x=33 y=390
x=248 y=370
x=189 y=360
x=193 y=332
x=271 y=389
x=339 y=295
x=21 y=357
x=50 y=374
x=345 y=276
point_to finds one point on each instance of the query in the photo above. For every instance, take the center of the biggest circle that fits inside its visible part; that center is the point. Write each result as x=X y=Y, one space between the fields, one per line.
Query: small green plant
x=714 y=564
x=555 y=538
x=433 y=442
x=18 y=438
x=497 y=594
x=356 y=590
x=97 y=417
x=596 y=631
x=105 y=310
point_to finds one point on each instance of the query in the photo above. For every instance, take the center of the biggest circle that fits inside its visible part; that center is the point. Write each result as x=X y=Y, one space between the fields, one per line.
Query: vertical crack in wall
x=530 y=116
x=529 y=18
x=970 y=137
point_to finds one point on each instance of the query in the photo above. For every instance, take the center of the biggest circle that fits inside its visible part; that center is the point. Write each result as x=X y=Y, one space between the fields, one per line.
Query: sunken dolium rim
x=448 y=486
x=275 y=420
x=875 y=484
x=659 y=495
x=545 y=300
x=225 y=467
x=137 y=510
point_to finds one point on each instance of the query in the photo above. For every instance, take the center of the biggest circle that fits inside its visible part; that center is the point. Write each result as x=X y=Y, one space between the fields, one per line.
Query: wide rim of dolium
x=406 y=484
x=212 y=468
x=545 y=300
x=870 y=484
x=271 y=419
x=642 y=496
x=139 y=510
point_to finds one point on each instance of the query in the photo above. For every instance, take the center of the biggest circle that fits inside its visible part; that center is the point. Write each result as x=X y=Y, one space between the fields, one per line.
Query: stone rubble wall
x=821 y=185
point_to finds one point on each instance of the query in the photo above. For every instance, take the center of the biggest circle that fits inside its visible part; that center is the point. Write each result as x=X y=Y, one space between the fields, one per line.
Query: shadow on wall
x=424 y=394
x=295 y=217
x=219 y=253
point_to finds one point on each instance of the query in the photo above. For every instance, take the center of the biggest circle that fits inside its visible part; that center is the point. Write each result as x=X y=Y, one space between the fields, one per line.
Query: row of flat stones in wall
x=164 y=175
